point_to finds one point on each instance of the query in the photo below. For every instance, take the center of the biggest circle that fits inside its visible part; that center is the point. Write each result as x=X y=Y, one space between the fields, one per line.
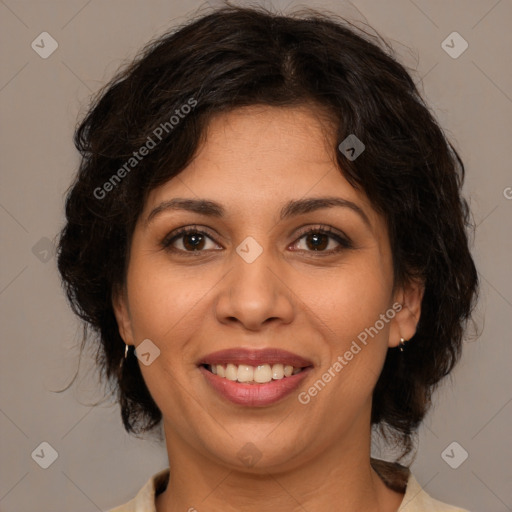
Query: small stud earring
x=402 y=343
x=125 y=351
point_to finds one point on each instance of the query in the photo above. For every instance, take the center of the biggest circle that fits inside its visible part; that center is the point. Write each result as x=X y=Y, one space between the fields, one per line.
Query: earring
x=402 y=343
x=126 y=348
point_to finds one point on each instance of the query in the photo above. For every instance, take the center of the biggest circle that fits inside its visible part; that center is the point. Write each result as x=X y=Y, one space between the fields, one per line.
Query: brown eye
x=318 y=239
x=192 y=240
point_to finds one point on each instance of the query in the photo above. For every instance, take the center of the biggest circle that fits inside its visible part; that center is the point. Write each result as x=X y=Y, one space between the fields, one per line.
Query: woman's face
x=256 y=280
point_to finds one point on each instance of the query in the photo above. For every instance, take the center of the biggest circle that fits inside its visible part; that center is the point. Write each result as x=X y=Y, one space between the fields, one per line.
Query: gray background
x=98 y=465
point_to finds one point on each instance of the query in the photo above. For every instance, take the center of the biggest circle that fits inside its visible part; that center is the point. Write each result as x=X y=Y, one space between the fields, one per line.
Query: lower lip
x=254 y=395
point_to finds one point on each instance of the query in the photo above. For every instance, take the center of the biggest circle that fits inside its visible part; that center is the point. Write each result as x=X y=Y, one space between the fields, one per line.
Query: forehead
x=254 y=159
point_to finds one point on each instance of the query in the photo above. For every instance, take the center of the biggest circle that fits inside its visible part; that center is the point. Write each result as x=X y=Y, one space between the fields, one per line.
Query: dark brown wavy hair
x=234 y=57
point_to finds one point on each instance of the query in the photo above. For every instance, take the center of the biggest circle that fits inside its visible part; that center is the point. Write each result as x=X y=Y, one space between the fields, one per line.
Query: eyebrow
x=292 y=208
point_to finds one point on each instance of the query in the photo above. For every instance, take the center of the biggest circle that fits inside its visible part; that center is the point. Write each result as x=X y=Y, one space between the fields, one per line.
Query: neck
x=338 y=478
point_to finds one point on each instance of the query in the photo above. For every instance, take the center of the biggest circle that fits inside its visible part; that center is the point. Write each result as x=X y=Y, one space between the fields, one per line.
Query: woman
x=267 y=234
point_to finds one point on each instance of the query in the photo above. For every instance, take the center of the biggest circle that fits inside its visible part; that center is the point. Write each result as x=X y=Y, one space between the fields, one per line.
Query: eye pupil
x=316 y=243
x=196 y=240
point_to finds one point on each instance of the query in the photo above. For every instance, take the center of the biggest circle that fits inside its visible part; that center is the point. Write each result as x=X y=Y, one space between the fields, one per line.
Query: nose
x=255 y=293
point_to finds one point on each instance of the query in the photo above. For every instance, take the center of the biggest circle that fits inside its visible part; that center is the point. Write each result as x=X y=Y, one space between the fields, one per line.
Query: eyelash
x=345 y=242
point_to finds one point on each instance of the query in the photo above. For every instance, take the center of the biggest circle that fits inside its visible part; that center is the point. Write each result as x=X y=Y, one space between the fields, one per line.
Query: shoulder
x=400 y=479
x=417 y=500
x=144 y=501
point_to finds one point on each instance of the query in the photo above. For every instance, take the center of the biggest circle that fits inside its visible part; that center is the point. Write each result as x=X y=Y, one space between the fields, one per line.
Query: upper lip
x=255 y=357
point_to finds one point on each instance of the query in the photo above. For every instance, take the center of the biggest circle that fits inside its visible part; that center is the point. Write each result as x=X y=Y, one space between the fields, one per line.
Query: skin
x=314 y=456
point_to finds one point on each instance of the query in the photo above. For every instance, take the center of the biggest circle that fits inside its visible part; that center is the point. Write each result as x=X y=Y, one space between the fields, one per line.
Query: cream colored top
x=415 y=498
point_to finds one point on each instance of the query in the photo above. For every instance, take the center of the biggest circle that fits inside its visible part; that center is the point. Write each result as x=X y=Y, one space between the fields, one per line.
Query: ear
x=122 y=314
x=407 y=317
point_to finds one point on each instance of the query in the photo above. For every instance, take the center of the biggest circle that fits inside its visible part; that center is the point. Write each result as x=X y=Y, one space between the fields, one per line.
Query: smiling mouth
x=247 y=374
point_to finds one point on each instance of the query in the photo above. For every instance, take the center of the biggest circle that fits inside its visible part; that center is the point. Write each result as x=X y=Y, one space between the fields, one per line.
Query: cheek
x=351 y=306
x=165 y=307
x=163 y=300
x=355 y=297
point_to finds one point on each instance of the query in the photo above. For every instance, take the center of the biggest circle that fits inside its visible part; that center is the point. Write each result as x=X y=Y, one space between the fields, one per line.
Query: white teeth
x=277 y=371
x=245 y=373
x=231 y=372
x=260 y=374
x=263 y=373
